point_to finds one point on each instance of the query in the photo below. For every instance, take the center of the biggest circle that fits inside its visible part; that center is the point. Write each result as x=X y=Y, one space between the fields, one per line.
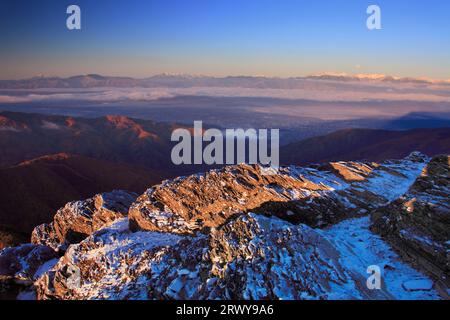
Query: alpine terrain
x=246 y=232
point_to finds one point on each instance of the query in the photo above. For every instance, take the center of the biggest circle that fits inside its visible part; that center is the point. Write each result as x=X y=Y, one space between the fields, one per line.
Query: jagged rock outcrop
x=22 y=262
x=418 y=223
x=251 y=257
x=350 y=171
x=21 y=266
x=189 y=204
x=302 y=233
x=315 y=196
x=79 y=219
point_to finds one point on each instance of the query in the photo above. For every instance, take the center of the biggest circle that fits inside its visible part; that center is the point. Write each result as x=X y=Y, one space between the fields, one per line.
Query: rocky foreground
x=236 y=233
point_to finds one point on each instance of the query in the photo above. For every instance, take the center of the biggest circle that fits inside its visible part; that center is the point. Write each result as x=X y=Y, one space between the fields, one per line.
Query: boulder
x=20 y=266
x=79 y=219
x=250 y=257
x=317 y=197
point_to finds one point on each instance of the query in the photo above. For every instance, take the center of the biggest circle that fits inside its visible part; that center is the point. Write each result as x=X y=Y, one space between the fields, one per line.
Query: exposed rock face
x=352 y=171
x=317 y=197
x=418 y=223
x=21 y=266
x=22 y=262
x=189 y=204
x=252 y=257
x=79 y=219
x=238 y=234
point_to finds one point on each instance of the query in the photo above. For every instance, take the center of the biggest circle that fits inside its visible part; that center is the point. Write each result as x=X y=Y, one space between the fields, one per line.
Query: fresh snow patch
x=424 y=240
x=360 y=248
x=418 y=285
x=325 y=178
x=392 y=186
x=45 y=268
x=118 y=238
x=114 y=244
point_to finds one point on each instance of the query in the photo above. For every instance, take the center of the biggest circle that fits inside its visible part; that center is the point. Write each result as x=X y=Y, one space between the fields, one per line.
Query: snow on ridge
x=112 y=248
x=118 y=237
x=344 y=251
x=360 y=248
x=392 y=185
x=386 y=181
x=131 y=261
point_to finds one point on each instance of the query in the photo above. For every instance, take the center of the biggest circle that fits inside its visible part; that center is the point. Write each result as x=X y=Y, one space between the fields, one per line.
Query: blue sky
x=284 y=38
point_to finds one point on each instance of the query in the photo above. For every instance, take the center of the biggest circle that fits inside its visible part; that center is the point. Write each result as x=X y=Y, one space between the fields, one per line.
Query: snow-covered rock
x=315 y=196
x=418 y=223
x=359 y=248
x=79 y=219
x=21 y=266
x=251 y=257
x=235 y=233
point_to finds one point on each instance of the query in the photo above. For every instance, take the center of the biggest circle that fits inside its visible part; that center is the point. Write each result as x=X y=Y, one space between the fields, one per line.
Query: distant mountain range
x=376 y=77
x=147 y=144
x=182 y=81
x=120 y=139
x=49 y=160
x=46 y=161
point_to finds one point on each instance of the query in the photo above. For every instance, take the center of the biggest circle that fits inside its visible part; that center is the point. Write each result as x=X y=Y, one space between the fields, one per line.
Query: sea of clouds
x=310 y=89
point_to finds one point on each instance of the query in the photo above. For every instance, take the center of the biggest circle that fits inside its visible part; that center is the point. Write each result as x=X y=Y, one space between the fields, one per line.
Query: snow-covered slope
x=360 y=248
x=417 y=224
x=303 y=233
x=253 y=257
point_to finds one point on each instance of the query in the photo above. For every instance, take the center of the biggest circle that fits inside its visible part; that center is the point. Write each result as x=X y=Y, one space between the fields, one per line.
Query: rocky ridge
x=236 y=233
x=417 y=223
x=315 y=196
x=79 y=219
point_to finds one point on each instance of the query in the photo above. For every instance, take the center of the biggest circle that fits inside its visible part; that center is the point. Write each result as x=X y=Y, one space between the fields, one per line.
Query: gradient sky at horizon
x=283 y=38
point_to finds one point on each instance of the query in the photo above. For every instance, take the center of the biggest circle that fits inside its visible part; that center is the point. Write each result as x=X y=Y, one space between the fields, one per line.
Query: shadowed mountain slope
x=366 y=144
x=31 y=192
x=120 y=139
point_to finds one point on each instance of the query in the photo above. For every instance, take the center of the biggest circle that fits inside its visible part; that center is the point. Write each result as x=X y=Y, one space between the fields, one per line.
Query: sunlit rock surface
x=236 y=233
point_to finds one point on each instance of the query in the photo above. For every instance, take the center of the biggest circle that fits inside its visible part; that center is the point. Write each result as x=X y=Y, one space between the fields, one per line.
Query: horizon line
x=318 y=75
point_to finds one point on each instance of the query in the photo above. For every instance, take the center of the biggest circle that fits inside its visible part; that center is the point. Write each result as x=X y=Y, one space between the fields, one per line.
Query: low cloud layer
x=316 y=90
